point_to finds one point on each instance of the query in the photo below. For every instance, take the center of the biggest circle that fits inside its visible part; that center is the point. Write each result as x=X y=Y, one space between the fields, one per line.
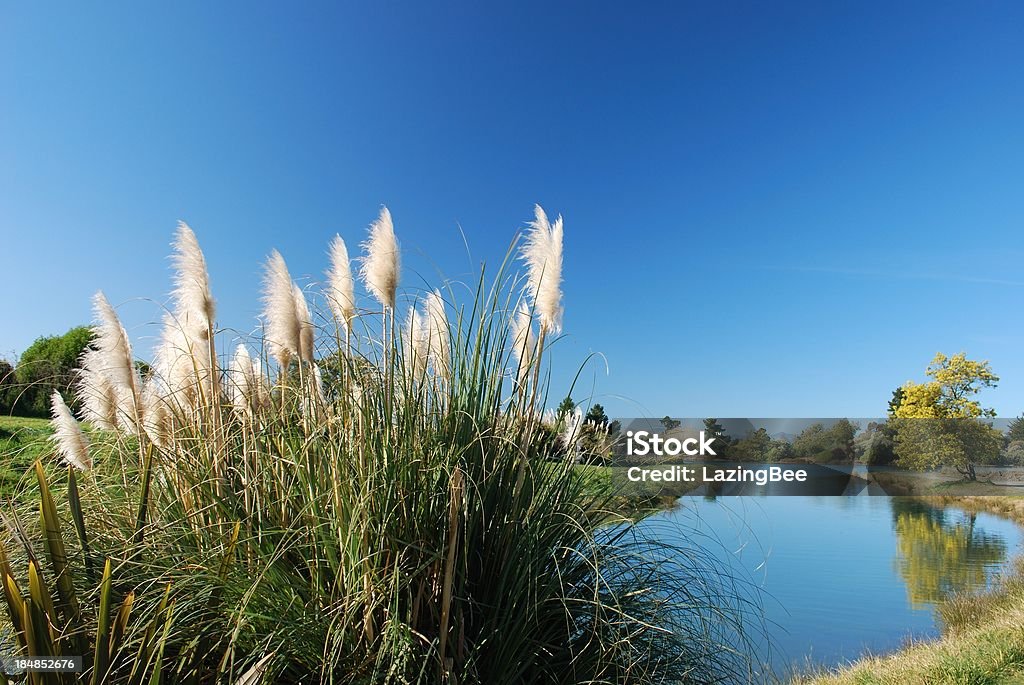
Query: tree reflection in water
x=939 y=552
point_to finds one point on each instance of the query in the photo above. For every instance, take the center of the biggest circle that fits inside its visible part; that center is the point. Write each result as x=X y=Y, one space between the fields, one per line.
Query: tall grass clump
x=363 y=501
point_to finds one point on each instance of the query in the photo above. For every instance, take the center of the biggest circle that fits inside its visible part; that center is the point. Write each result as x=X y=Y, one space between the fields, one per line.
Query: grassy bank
x=983 y=640
x=22 y=441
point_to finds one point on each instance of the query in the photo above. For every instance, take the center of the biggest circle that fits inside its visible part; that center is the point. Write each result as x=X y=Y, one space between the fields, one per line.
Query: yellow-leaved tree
x=939 y=422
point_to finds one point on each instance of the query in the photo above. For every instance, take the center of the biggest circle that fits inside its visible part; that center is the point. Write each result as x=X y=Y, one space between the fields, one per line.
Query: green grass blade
x=147 y=477
x=75 y=504
x=67 y=600
x=101 y=655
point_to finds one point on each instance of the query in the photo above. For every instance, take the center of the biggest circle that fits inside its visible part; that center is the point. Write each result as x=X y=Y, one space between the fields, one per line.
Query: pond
x=845 y=576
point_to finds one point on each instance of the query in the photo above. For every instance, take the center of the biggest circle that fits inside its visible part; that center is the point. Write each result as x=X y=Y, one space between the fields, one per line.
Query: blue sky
x=770 y=210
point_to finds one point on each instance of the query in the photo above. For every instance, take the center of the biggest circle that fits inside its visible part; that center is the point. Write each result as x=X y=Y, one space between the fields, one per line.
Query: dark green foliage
x=595 y=445
x=779 y=450
x=896 y=401
x=1015 y=432
x=669 y=423
x=7 y=389
x=756 y=446
x=753 y=447
x=567 y=406
x=713 y=429
x=1013 y=454
x=823 y=445
x=48 y=364
x=876 y=446
x=596 y=416
x=723 y=443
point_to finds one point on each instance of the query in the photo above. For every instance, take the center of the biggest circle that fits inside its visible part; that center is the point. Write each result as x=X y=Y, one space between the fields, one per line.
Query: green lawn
x=22 y=442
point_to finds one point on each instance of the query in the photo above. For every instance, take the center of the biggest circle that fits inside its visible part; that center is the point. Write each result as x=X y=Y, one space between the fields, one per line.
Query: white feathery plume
x=318 y=385
x=115 y=356
x=573 y=428
x=180 y=361
x=340 y=286
x=193 y=314
x=542 y=253
x=524 y=341
x=71 y=442
x=381 y=264
x=282 y=333
x=156 y=414
x=439 y=335
x=415 y=344
x=195 y=306
x=130 y=405
x=99 y=401
x=304 y=322
x=549 y=418
x=243 y=380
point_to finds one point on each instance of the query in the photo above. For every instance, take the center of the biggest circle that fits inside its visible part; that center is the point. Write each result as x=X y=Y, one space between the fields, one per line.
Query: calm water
x=846 y=575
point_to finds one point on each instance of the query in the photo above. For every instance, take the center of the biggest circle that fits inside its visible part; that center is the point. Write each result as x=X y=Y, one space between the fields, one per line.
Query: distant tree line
x=48 y=364
x=816 y=443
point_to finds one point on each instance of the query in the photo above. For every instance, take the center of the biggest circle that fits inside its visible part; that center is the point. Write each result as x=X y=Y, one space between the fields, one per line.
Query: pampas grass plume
x=415 y=343
x=318 y=385
x=304 y=323
x=112 y=343
x=246 y=386
x=116 y=360
x=71 y=442
x=438 y=333
x=283 y=334
x=340 y=286
x=381 y=264
x=542 y=253
x=524 y=341
x=573 y=428
x=195 y=305
x=157 y=418
x=99 y=401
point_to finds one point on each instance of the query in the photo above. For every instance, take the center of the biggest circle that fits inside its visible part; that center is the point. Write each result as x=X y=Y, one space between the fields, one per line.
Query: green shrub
x=48 y=364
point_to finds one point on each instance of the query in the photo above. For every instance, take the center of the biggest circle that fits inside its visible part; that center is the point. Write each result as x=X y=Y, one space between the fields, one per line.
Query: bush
x=824 y=445
x=876 y=446
x=48 y=364
x=1013 y=454
x=7 y=389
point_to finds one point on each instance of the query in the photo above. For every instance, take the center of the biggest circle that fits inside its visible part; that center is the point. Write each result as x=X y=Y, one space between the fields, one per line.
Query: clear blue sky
x=771 y=209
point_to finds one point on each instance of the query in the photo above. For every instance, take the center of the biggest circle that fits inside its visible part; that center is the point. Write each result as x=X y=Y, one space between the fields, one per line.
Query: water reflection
x=939 y=552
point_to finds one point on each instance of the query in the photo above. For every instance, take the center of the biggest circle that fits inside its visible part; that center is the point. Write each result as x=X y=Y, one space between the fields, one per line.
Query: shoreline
x=983 y=640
